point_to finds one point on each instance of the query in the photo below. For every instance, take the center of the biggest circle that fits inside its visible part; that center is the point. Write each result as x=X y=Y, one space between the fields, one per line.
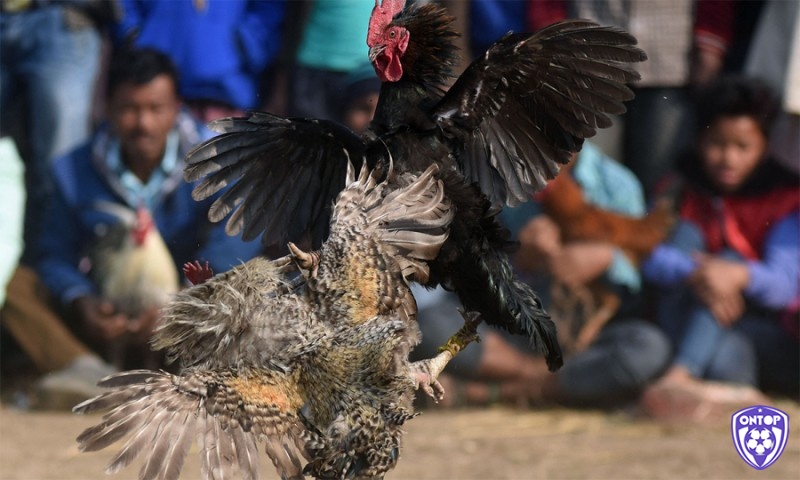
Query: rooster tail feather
x=486 y=283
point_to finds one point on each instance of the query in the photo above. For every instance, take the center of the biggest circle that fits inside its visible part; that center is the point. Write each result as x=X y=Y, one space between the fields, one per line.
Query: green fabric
x=12 y=197
x=335 y=37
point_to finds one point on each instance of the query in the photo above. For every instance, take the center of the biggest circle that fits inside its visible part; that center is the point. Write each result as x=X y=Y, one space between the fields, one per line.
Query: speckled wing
x=250 y=314
x=408 y=215
x=282 y=174
x=228 y=413
x=523 y=107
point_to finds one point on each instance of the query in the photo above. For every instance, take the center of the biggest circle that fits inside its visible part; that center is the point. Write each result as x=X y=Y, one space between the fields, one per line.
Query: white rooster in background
x=131 y=264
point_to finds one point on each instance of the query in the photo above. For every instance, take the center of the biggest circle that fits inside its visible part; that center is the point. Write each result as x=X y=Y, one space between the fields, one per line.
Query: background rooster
x=316 y=369
x=498 y=134
x=131 y=263
x=582 y=311
x=134 y=270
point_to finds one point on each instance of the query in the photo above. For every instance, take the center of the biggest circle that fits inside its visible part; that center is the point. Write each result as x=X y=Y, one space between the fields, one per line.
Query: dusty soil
x=494 y=443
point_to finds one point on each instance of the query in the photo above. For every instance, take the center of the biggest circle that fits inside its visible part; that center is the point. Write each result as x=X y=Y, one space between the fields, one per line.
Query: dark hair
x=735 y=96
x=139 y=66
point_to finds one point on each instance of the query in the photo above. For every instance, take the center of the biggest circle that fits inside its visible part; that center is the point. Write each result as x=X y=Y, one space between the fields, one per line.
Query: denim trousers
x=755 y=350
x=48 y=69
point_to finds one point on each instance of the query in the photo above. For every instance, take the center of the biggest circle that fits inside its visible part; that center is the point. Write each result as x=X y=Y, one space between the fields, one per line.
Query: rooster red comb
x=382 y=15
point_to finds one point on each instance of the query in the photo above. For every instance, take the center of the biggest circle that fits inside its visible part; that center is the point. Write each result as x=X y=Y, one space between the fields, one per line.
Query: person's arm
x=672 y=262
x=59 y=243
x=713 y=32
x=773 y=281
x=259 y=33
x=127 y=28
x=58 y=269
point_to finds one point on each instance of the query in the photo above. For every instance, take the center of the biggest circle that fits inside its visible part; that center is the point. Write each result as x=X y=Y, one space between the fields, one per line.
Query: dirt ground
x=493 y=443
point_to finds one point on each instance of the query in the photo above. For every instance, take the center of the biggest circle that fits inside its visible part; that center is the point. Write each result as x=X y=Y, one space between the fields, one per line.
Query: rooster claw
x=304 y=260
x=425 y=379
x=433 y=389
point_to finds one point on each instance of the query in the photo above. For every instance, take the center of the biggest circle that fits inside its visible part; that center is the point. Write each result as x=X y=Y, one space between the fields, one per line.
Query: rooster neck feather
x=431 y=54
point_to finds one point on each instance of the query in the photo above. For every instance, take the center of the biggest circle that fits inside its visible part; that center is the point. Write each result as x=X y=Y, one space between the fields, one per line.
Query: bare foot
x=679 y=397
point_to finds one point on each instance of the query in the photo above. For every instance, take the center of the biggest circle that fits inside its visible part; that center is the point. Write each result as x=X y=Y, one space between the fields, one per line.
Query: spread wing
x=522 y=108
x=248 y=314
x=229 y=413
x=284 y=174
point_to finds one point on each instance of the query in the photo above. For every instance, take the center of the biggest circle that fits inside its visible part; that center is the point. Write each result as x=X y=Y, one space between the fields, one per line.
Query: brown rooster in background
x=581 y=312
x=497 y=134
x=315 y=368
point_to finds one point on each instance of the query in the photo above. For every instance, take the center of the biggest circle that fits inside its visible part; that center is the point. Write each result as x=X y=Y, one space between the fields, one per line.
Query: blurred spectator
x=775 y=57
x=620 y=356
x=685 y=41
x=359 y=98
x=221 y=47
x=12 y=189
x=483 y=22
x=133 y=163
x=331 y=46
x=730 y=272
x=49 y=61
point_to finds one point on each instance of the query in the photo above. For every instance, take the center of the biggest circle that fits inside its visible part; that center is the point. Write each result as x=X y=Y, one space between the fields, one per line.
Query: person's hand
x=100 y=319
x=141 y=327
x=579 y=263
x=727 y=309
x=540 y=241
x=716 y=277
x=706 y=64
x=719 y=285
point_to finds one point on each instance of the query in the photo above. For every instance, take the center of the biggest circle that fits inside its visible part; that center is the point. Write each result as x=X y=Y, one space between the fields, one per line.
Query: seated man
x=121 y=202
x=581 y=241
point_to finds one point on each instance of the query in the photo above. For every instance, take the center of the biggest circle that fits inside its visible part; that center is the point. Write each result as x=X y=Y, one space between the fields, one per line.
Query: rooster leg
x=426 y=372
x=305 y=260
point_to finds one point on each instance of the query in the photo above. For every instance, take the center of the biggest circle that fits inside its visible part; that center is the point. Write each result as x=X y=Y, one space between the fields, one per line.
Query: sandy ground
x=494 y=443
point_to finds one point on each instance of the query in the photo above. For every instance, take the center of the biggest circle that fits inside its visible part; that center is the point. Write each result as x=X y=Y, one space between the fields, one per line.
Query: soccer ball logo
x=759 y=434
x=760 y=441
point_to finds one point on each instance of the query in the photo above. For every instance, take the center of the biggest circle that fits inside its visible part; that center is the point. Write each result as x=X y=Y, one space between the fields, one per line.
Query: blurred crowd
x=667 y=252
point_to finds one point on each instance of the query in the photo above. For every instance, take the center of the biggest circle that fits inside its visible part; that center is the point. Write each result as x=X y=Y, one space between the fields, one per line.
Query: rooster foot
x=305 y=260
x=426 y=372
x=197 y=273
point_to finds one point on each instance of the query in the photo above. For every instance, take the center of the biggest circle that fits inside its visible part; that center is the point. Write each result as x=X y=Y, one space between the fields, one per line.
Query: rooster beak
x=375 y=51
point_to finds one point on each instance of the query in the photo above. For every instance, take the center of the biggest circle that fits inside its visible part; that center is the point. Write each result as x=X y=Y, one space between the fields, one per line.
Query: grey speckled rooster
x=314 y=367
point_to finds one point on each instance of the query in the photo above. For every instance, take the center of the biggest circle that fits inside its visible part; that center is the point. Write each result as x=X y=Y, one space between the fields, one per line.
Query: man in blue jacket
x=133 y=162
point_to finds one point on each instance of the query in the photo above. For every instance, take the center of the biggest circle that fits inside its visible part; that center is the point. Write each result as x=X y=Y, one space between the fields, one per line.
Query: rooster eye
x=392 y=34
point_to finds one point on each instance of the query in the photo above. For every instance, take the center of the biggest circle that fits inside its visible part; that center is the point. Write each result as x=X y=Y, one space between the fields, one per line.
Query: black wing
x=284 y=174
x=528 y=103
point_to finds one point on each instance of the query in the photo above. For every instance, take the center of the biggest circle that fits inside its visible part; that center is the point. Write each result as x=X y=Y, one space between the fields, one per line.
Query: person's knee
x=646 y=352
x=734 y=361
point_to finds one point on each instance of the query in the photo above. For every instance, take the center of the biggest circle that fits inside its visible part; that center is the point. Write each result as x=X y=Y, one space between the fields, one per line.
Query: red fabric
x=542 y=13
x=740 y=223
x=714 y=23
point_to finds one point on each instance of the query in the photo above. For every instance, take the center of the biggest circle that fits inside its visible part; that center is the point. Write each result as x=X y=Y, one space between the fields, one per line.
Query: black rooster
x=498 y=134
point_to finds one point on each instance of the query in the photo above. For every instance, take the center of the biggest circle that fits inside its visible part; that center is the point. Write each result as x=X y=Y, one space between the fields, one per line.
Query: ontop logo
x=760 y=434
